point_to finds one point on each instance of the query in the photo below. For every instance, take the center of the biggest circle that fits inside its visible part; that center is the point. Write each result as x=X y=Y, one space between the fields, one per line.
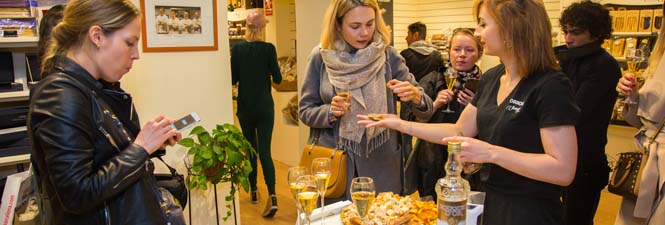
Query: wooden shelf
x=635 y=34
x=18 y=42
x=13 y=130
x=14 y=96
x=15 y=159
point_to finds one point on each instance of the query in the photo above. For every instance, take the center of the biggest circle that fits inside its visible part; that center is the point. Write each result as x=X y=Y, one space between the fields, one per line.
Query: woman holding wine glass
x=464 y=51
x=355 y=49
x=523 y=115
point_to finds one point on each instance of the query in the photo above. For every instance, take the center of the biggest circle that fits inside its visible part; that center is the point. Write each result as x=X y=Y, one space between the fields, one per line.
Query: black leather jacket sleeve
x=84 y=179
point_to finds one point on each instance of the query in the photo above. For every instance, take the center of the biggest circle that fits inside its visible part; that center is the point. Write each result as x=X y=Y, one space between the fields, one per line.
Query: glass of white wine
x=321 y=170
x=307 y=196
x=362 y=192
x=450 y=78
x=293 y=175
x=634 y=58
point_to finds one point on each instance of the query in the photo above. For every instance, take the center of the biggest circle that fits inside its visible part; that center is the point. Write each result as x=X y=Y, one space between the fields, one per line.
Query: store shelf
x=13 y=130
x=18 y=42
x=13 y=96
x=15 y=159
x=634 y=34
x=631 y=2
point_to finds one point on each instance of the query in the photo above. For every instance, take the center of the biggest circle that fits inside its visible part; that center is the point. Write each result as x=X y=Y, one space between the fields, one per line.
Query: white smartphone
x=186 y=121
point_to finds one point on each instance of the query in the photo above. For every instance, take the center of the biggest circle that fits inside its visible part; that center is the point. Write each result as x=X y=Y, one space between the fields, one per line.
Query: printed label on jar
x=452 y=212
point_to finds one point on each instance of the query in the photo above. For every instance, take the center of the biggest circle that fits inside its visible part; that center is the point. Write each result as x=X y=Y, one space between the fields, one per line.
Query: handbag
x=338 y=161
x=627 y=172
x=174 y=183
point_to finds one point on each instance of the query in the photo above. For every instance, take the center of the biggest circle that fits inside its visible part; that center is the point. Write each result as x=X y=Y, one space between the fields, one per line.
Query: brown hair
x=335 y=13
x=79 y=17
x=526 y=31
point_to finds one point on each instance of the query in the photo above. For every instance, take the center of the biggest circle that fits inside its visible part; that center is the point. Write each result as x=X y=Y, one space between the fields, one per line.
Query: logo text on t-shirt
x=514 y=105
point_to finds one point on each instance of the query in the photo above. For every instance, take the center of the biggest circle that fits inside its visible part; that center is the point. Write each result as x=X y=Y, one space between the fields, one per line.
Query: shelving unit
x=18 y=46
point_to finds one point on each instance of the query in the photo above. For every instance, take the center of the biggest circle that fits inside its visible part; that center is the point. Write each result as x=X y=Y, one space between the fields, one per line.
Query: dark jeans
x=257 y=127
x=581 y=198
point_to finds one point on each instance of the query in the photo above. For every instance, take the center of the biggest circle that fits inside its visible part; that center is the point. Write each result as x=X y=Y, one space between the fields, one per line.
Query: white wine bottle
x=452 y=190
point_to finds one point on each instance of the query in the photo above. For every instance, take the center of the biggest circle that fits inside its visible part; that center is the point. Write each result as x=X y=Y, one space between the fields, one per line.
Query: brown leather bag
x=627 y=173
x=338 y=161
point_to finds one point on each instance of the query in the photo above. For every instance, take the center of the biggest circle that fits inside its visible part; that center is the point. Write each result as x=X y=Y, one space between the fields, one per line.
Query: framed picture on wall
x=176 y=25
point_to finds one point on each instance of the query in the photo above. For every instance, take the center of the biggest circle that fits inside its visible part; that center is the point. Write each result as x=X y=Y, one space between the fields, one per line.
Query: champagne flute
x=321 y=168
x=362 y=192
x=294 y=173
x=307 y=196
x=634 y=57
x=450 y=78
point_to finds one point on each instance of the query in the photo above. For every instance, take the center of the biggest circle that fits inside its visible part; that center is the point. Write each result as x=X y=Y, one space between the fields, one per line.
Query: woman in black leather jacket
x=90 y=167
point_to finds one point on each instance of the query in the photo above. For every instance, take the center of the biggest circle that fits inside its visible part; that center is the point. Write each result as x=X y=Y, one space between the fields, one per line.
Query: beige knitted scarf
x=364 y=73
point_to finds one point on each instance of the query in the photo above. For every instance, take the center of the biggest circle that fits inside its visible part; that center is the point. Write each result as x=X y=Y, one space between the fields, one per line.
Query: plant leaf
x=217 y=149
x=187 y=142
x=206 y=154
x=234 y=158
x=197 y=130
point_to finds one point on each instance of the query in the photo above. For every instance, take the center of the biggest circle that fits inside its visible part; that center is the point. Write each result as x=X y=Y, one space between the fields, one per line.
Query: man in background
x=594 y=74
x=421 y=57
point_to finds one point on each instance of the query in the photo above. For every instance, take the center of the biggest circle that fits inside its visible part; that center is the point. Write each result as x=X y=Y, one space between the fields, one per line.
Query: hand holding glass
x=450 y=84
x=634 y=57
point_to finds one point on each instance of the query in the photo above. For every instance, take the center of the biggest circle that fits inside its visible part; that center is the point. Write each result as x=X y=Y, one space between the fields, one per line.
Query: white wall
x=441 y=16
x=309 y=18
x=174 y=84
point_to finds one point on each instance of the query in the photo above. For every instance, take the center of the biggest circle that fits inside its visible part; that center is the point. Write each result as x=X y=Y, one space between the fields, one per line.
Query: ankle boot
x=255 y=197
x=271 y=207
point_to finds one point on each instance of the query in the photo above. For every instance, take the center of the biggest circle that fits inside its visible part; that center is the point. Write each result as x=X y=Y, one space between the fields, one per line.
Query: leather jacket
x=87 y=167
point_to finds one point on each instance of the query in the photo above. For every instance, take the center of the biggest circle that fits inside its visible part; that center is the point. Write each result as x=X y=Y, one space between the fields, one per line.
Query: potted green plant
x=220 y=156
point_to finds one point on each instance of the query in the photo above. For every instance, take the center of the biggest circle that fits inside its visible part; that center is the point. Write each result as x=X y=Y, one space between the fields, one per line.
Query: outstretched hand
x=391 y=121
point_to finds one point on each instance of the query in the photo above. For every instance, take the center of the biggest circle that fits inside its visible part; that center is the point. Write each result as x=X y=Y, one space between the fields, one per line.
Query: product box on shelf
x=619 y=19
x=657 y=20
x=618 y=45
x=631 y=43
x=632 y=20
x=646 y=19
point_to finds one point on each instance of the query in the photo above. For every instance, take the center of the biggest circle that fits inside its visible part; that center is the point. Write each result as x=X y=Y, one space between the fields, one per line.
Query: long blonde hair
x=79 y=16
x=335 y=13
x=526 y=30
x=255 y=33
x=656 y=55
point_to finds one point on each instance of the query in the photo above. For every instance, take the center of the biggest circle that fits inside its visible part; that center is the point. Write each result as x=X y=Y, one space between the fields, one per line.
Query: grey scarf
x=364 y=73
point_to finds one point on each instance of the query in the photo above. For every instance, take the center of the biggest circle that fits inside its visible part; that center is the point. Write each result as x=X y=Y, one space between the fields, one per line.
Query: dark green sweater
x=252 y=63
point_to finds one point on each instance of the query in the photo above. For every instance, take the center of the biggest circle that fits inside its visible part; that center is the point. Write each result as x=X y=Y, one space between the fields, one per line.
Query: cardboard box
x=631 y=43
x=646 y=19
x=618 y=45
x=619 y=20
x=632 y=21
x=657 y=20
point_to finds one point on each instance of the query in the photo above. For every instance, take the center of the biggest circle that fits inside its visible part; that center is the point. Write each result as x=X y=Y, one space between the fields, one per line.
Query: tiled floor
x=619 y=139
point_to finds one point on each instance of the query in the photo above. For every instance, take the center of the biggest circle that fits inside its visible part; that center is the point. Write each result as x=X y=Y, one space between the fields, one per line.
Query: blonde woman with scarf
x=355 y=54
x=649 y=208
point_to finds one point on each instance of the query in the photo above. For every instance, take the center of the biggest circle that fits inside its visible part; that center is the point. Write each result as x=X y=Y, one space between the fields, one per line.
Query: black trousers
x=581 y=198
x=257 y=127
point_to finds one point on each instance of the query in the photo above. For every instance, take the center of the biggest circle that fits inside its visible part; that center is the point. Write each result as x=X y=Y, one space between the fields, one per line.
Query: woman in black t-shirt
x=523 y=115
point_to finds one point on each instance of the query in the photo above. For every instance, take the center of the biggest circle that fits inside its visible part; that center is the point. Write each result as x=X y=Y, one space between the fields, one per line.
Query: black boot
x=271 y=207
x=255 y=197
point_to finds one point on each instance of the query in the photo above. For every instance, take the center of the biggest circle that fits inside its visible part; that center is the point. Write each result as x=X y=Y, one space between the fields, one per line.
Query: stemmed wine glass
x=634 y=57
x=362 y=192
x=450 y=78
x=294 y=173
x=321 y=169
x=307 y=196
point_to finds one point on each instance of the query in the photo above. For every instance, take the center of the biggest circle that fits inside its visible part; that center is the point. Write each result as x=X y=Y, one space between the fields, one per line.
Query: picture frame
x=176 y=25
